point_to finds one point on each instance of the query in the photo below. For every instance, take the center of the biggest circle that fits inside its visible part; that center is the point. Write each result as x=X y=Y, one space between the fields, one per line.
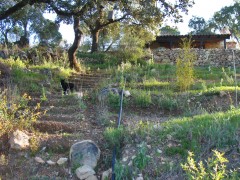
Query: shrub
x=143 y=98
x=215 y=168
x=142 y=159
x=15 y=113
x=185 y=68
x=115 y=138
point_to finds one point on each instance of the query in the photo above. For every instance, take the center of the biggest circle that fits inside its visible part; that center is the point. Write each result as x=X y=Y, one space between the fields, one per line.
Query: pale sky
x=201 y=8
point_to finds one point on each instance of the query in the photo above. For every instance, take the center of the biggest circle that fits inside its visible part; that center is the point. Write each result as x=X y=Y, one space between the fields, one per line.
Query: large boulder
x=84 y=153
x=19 y=140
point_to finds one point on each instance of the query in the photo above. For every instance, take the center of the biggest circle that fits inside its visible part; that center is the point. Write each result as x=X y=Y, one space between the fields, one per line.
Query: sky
x=201 y=8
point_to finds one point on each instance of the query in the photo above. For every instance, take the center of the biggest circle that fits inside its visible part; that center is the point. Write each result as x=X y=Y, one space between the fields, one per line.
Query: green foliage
x=122 y=172
x=142 y=159
x=34 y=145
x=142 y=98
x=132 y=44
x=43 y=96
x=15 y=113
x=15 y=64
x=115 y=138
x=185 y=67
x=143 y=129
x=167 y=102
x=168 y=30
x=214 y=169
x=98 y=60
x=203 y=131
x=228 y=17
x=199 y=25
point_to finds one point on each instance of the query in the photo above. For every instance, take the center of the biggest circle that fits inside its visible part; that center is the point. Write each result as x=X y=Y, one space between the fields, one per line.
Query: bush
x=15 y=113
x=215 y=168
x=185 y=68
x=115 y=138
x=143 y=98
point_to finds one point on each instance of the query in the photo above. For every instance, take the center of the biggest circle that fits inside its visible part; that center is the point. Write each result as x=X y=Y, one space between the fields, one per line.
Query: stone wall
x=205 y=57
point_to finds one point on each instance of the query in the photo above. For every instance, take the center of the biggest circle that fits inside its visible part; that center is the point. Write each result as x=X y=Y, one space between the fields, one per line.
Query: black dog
x=66 y=86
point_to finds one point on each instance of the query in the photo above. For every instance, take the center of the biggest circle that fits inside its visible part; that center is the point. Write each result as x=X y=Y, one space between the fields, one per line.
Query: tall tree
x=199 y=25
x=168 y=30
x=229 y=17
x=140 y=12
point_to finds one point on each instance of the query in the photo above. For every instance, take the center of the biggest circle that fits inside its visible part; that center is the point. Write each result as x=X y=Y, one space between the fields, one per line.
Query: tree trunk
x=73 y=49
x=95 y=35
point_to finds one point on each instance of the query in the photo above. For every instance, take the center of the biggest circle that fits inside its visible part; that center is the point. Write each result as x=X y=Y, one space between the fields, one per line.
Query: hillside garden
x=180 y=122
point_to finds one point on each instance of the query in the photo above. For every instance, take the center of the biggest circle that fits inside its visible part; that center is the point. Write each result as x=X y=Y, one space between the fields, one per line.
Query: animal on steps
x=66 y=86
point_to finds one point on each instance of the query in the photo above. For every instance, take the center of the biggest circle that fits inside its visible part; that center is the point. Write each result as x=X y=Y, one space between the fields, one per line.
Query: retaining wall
x=205 y=57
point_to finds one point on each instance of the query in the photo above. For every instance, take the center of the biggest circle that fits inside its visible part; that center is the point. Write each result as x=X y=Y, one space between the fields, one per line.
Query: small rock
x=106 y=174
x=133 y=157
x=140 y=177
x=222 y=93
x=126 y=93
x=125 y=159
x=130 y=163
x=19 y=140
x=39 y=160
x=62 y=161
x=84 y=172
x=169 y=137
x=159 y=151
x=149 y=146
x=50 y=162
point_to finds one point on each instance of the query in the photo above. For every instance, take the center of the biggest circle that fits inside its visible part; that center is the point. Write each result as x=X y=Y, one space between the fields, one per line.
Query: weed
x=43 y=96
x=34 y=145
x=122 y=172
x=167 y=102
x=142 y=159
x=3 y=160
x=115 y=138
x=142 y=98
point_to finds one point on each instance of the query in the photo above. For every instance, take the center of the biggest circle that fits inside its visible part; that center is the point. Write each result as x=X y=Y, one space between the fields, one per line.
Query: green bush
x=142 y=159
x=15 y=113
x=185 y=67
x=115 y=138
x=142 y=98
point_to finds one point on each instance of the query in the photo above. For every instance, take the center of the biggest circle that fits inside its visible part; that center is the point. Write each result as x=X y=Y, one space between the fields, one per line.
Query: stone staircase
x=86 y=82
x=68 y=110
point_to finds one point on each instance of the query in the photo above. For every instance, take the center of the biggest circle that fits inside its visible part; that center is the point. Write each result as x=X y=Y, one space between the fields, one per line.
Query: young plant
x=185 y=66
x=142 y=159
x=122 y=172
x=115 y=138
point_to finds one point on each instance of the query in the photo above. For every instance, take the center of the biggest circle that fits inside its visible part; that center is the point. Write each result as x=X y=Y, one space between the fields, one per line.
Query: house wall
x=208 y=45
x=205 y=57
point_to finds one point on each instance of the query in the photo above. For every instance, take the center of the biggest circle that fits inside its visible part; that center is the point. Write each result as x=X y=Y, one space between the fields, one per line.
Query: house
x=199 y=41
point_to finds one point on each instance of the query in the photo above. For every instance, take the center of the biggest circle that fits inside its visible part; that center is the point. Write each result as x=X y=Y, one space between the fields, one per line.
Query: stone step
x=56 y=127
x=63 y=109
x=61 y=117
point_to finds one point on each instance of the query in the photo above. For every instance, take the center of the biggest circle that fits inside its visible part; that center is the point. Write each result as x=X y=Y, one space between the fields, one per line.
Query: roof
x=199 y=37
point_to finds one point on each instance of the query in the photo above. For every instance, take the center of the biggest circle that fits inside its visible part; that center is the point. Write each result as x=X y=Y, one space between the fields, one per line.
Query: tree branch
x=18 y=6
x=116 y=20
